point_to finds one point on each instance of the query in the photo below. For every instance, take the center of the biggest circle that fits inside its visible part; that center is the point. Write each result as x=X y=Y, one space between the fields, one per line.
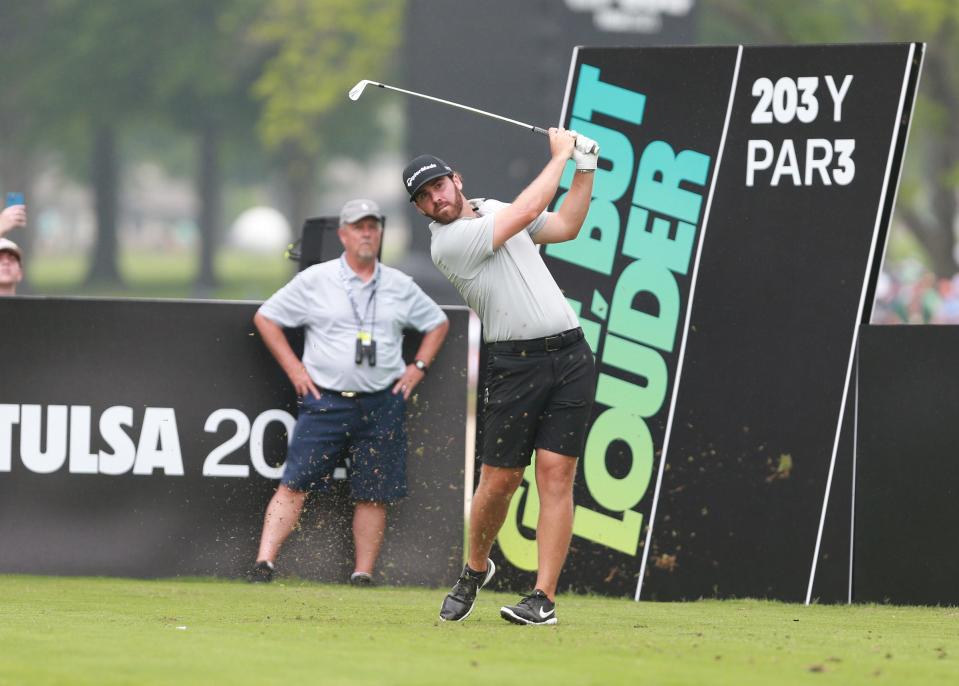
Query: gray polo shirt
x=316 y=299
x=510 y=288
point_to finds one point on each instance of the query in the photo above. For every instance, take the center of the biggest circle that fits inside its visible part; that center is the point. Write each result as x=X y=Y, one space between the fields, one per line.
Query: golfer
x=541 y=374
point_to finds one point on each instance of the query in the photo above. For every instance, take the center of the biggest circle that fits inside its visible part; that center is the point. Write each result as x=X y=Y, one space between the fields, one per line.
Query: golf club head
x=357 y=90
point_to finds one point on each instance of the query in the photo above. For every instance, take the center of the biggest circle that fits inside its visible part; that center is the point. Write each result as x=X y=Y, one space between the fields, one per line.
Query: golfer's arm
x=275 y=341
x=565 y=223
x=529 y=204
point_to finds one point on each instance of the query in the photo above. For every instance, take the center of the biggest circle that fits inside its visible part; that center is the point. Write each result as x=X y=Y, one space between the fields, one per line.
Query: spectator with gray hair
x=352 y=384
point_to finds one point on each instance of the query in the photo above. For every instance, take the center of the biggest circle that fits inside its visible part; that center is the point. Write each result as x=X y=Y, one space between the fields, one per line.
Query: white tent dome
x=260 y=229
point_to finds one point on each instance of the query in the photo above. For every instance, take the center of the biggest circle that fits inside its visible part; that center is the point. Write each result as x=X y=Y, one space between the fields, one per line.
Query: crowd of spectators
x=906 y=294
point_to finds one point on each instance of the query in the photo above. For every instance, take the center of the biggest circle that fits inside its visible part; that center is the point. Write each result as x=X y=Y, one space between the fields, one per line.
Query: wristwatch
x=419 y=364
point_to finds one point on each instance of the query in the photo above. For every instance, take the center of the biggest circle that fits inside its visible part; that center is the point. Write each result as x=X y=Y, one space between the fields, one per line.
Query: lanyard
x=349 y=294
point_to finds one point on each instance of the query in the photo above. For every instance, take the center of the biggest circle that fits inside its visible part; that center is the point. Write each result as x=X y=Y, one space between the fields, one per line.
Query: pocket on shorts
x=510 y=376
x=312 y=405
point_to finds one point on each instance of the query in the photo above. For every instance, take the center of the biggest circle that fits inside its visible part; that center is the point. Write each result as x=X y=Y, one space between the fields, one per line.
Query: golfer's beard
x=455 y=209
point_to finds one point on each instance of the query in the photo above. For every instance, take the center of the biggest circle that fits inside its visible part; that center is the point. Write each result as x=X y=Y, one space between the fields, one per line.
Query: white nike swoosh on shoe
x=490 y=571
x=544 y=615
x=507 y=614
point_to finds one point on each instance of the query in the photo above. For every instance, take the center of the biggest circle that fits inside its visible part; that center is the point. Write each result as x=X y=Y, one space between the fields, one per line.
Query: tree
x=21 y=25
x=322 y=49
x=204 y=88
x=927 y=204
x=96 y=77
x=160 y=61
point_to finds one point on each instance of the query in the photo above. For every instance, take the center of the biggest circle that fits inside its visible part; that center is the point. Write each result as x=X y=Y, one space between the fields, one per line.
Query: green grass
x=56 y=630
x=242 y=276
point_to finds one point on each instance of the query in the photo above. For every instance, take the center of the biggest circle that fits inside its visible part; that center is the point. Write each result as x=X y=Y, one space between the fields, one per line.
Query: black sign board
x=738 y=219
x=907 y=476
x=145 y=438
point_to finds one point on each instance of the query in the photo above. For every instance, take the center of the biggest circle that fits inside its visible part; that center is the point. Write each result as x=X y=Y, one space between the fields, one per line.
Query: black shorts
x=539 y=394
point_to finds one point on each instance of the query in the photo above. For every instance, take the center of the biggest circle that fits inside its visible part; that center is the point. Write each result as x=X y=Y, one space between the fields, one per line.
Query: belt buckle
x=348 y=394
x=559 y=343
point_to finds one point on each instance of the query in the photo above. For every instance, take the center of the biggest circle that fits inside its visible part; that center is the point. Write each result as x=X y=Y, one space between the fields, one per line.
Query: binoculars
x=366 y=349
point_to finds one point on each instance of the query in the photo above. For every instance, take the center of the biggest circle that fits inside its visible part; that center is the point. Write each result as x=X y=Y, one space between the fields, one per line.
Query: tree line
x=928 y=201
x=261 y=80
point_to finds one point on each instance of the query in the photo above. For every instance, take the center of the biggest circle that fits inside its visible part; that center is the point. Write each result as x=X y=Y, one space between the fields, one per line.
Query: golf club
x=357 y=90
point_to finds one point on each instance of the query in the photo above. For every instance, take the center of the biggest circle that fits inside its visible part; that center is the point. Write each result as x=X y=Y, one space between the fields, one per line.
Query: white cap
x=354 y=210
x=6 y=245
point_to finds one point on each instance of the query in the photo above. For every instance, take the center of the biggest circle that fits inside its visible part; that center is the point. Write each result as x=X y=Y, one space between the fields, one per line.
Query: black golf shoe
x=459 y=602
x=260 y=573
x=361 y=579
x=535 y=608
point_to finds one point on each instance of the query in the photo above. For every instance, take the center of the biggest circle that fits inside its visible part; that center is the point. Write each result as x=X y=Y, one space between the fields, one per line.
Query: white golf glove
x=585 y=152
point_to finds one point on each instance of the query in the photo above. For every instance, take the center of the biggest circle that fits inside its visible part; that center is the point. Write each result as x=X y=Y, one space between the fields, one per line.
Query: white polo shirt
x=510 y=289
x=317 y=299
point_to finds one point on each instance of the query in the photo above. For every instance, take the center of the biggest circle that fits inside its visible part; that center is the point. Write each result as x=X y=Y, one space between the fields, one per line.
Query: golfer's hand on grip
x=585 y=152
x=561 y=143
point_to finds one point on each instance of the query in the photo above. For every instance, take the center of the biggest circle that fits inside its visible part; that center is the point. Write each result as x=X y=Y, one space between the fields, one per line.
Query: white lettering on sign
x=52 y=437
x=159 y=444
x=798 y=162
x=123 y=451
x=838 y=95
x=39 y=455
x=9 y=415
x=633 y=16
x=822 y=161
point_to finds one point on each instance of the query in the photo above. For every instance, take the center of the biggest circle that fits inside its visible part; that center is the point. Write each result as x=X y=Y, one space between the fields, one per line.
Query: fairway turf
x=57 y=630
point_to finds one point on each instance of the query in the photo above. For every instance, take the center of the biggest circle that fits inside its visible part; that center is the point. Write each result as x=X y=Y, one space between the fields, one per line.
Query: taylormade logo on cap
x=421 y=170
x=409 y=181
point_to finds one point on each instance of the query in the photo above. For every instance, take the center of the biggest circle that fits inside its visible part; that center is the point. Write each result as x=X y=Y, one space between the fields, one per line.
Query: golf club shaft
x=530 y=127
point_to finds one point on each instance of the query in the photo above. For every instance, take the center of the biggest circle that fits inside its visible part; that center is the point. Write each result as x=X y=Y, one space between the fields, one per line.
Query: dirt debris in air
x=666 y=562
x=782 y=470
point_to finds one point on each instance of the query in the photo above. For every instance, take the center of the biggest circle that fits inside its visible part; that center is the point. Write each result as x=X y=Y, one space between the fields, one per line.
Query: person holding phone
x=14 y=214
x=11 y=269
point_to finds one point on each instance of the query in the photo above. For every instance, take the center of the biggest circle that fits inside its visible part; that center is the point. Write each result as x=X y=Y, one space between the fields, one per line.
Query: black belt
x=546 y=344
x=352 y=394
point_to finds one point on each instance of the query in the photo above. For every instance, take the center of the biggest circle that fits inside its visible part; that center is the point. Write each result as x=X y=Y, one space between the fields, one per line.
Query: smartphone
x=14 y=199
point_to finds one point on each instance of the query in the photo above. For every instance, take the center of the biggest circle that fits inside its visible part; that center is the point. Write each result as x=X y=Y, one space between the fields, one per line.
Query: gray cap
x=354 y=210
x=6 y=245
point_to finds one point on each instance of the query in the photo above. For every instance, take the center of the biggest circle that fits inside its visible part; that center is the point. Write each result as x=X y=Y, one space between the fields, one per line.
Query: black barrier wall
x=739 y=214
x=790 y=254
x=144 y=439
x=907 y=498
